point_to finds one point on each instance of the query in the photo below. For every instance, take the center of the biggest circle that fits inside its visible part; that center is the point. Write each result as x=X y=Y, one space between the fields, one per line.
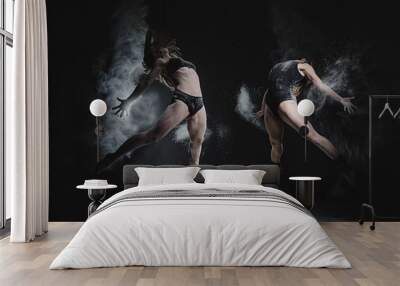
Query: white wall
x=8 y=86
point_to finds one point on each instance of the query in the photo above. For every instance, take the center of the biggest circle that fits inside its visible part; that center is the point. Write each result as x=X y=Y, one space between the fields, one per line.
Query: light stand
x=97 y=140
x=306 y=130
x=305 y=108
x=98 y=108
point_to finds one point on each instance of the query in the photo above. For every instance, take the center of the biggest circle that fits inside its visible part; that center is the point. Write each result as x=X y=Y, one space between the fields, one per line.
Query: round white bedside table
x=96 y=194
x=305 y=190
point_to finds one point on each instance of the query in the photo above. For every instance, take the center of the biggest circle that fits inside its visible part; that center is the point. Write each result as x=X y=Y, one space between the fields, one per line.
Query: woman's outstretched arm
x=310 y=73
x=144 y=83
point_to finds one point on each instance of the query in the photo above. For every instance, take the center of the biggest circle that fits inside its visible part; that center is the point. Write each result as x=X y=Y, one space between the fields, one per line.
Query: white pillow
x=248 y=177
x=164 y=176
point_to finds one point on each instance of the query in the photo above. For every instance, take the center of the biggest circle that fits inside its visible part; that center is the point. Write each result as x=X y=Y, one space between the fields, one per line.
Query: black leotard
x=175 y=64
x=285 y=83
x=194 y=103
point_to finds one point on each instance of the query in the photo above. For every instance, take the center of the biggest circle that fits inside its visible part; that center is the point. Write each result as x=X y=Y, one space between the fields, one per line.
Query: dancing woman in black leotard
x=286 y=81
x=162 y=62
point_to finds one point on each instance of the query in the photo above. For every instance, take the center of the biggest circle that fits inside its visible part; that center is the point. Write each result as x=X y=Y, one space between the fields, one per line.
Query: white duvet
x=200 y=231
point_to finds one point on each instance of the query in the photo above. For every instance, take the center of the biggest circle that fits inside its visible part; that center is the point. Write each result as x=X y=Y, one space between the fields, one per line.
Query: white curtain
x=27 y=144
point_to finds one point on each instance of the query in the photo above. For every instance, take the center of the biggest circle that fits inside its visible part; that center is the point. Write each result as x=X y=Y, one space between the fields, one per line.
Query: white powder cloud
x=246 y=108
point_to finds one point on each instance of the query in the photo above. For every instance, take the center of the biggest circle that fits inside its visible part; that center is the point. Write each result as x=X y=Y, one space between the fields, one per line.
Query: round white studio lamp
x=98 y=108
x=305 y=108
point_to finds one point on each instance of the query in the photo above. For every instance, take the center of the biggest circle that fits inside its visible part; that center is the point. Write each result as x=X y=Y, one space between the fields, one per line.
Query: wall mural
x=216 y=83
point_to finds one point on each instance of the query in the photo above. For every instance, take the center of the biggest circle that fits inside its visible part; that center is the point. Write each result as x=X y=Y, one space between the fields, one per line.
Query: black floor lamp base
x=362 y=215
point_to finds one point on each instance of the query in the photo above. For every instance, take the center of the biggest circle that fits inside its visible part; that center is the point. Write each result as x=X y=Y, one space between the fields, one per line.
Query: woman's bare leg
x=197 y=126
x=289 y=114
x=172 y=116
x=275 y=129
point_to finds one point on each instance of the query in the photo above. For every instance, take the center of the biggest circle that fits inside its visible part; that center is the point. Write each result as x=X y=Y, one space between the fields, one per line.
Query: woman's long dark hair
x=161 y=40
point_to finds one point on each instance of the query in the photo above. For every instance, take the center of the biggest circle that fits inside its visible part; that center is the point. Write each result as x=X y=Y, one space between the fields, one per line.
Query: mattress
x=201 y=225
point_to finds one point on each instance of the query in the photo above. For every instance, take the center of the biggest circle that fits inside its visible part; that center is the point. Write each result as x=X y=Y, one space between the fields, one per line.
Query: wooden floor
x=375 y=257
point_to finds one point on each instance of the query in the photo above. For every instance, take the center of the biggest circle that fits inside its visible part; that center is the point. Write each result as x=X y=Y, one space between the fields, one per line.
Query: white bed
x=269 y=228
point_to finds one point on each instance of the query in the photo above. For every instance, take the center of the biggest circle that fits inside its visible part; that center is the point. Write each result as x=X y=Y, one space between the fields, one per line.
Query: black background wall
x=233 y=44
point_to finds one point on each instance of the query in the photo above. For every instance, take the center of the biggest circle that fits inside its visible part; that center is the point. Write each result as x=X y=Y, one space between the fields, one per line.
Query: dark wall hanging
x=384 y=154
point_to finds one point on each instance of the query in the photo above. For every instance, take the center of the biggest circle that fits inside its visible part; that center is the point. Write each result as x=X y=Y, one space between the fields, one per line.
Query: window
x=6 y=62
x=9 y=15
